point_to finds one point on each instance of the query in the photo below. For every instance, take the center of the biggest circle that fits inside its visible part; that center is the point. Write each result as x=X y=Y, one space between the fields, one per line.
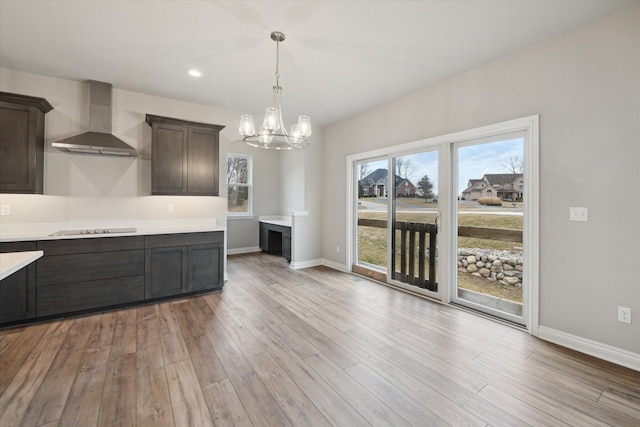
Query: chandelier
x=273 y=133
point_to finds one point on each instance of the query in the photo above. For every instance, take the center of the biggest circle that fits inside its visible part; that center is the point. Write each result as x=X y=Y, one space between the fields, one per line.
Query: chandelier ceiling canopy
x=273 y=133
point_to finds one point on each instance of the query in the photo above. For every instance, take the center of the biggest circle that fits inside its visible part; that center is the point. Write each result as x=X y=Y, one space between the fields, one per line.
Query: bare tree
x=363 y=170
x=404 y=167
x=237 y=173
x=514 y=165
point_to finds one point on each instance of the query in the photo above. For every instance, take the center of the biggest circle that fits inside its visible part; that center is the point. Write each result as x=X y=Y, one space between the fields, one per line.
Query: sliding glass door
x=396 y=220
x=372 y=213
x=489 y=225
x=413 y=225
x=454 y=218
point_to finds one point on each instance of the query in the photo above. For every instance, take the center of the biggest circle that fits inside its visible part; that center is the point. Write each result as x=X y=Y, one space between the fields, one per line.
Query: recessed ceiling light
x=196 y=73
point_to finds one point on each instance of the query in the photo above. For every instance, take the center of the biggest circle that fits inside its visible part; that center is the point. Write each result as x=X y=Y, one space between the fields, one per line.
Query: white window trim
x=249 y=213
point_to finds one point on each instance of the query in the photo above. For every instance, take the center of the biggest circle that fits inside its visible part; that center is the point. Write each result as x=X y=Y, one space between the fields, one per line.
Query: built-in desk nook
x=275 y=235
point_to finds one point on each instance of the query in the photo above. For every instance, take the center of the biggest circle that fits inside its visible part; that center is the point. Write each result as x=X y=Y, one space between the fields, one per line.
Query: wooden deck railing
x=409 y=232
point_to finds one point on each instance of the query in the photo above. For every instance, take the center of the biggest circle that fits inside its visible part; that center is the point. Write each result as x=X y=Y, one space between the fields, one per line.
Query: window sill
x=234 y=217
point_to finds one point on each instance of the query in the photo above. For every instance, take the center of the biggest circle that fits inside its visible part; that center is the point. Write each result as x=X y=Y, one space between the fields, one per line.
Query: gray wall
x=93 y=188
x=302 y=175
x=243 y=233
x=585 y=85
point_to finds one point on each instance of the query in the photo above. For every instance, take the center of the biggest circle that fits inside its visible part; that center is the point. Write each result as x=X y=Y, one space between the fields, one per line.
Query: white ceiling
x=339 y=57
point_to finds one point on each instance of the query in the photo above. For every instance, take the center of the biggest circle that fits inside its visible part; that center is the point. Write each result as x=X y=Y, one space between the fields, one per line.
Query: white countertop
x=276 y=220
x=13 y=261
x=43 y=231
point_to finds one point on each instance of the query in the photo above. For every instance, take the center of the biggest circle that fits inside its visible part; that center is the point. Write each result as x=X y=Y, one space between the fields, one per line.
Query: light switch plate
x=578 y=214
x=5 y=210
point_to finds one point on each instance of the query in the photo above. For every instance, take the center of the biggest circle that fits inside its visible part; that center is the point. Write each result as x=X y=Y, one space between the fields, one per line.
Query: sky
x=474 y=162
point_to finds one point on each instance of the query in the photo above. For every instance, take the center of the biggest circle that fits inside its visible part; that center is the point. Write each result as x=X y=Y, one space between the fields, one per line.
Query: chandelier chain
x=277 y=62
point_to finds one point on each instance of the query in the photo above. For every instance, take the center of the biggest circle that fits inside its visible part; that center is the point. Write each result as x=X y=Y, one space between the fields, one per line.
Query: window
x=239 y=188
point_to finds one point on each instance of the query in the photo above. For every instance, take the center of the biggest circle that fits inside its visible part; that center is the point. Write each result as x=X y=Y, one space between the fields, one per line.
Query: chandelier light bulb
x=246 y=125
x=265 y=137
x=271 y=120
x=304 y=122
x=295 y=136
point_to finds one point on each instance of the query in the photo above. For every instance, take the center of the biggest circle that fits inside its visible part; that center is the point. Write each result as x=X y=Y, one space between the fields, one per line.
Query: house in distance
x=375 y=185
x=505 y=186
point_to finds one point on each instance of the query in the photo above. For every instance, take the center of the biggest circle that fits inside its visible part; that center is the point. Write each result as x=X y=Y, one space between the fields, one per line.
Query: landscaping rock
x=511 y=280
x=513 y=273
x=503 y=266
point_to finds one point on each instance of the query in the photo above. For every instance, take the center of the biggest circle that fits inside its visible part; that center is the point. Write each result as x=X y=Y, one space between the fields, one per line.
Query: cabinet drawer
x=71 y=297
x=54 y=269
x=92 y=244
x=286 y=231
x=184 y=239
x=17 y=246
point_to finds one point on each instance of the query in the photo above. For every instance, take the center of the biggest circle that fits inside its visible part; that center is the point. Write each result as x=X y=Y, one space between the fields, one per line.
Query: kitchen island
x=98 y=270
x=13 y=261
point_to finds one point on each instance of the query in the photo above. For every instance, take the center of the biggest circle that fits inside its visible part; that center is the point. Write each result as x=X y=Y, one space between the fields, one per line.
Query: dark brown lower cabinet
x=183 y=263
x=205 y=267
x=89 y=274
x=81 y=296
x=86 y=274
x=165 y=272
x=275 y=239
x=18 y=291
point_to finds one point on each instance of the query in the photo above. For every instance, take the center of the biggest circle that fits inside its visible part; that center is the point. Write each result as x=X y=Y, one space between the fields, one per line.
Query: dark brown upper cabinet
x=184 y=157
x=22 y=143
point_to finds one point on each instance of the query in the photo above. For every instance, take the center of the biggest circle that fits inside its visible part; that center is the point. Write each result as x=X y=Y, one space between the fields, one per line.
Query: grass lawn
x=372 y=244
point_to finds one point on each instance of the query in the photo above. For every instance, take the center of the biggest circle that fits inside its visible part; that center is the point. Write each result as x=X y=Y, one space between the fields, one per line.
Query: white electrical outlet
x=338 y=248
x=578 y=214
x=5 y=210
x=171 y=208
x=624 y=314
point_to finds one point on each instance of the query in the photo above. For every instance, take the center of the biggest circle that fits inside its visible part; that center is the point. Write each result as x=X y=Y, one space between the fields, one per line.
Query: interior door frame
x=530 y=127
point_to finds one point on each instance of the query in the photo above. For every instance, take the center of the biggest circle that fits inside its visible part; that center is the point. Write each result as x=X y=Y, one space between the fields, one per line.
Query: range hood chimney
x=99 y=139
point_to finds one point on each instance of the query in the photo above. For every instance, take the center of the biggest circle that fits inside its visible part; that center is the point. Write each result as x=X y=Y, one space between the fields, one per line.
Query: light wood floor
x=293 y=348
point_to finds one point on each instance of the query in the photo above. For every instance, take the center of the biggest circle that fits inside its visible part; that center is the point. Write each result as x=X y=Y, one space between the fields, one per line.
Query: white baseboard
x=305 y=264
x=236 y=251
x=593 y=348
x=335 y=265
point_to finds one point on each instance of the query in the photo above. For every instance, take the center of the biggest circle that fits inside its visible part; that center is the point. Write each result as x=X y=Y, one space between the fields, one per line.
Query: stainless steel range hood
x=99 y=139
